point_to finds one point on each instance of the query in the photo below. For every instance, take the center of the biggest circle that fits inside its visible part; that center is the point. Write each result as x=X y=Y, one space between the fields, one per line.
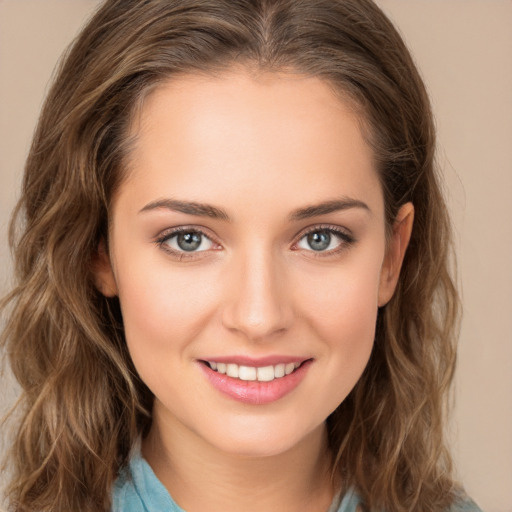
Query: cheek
x=162 y=310
x=348 y=330
x=345 y=299
x=342 y=311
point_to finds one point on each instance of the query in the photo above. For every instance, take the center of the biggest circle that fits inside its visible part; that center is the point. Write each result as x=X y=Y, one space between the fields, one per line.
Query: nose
x=258 y=303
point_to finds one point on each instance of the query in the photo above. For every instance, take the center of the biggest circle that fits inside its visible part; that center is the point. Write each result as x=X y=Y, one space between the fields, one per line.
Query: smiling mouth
x=254 y=373
x=255 y=382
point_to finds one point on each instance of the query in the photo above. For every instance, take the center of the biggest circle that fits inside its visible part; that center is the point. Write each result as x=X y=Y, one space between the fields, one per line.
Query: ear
x=395 y=252
x=103 y=274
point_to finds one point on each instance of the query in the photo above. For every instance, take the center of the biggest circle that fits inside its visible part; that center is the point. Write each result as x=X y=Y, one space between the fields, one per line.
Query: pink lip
x=255 y=392
x=256 y=361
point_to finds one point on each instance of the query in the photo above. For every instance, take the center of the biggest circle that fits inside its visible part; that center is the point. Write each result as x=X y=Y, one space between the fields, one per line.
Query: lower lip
x=255 y=392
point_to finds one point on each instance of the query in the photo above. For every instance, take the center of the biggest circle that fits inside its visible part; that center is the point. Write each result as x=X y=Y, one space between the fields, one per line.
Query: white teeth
x=289 y=368
x=266 y=373
x=279 y=370
x=251 y=373
x=247 y=373
x=232 y=370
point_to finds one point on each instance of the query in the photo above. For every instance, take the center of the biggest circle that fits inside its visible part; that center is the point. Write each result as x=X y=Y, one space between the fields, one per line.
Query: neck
x=200 y=477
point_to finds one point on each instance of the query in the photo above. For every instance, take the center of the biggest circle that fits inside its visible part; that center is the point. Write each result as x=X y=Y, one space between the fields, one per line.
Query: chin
x=259 y=441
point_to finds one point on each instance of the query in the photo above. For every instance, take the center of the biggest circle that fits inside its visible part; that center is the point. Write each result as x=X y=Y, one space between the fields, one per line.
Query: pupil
x=189 y=241
x=319 y=241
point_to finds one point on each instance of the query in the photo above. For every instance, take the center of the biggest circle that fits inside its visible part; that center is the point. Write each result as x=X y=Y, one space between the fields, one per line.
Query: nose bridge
x=258 y=305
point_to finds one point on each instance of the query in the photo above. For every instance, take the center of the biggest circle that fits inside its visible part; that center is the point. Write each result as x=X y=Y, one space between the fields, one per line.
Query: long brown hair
x=82 y=404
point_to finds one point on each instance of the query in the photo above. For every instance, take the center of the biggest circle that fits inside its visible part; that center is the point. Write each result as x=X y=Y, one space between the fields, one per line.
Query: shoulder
x=351 y=502
x=465 y=505
x=137 y=489
x=124 y=495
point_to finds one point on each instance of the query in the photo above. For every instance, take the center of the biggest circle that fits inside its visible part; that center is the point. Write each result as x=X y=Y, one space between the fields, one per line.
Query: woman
x=233 y=272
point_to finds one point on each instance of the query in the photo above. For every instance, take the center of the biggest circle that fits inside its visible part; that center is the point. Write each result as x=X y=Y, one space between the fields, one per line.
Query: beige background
x=464 y=49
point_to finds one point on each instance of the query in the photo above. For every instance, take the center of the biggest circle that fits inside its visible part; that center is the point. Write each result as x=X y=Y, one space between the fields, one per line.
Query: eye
x=324 y=240
x=186 y=241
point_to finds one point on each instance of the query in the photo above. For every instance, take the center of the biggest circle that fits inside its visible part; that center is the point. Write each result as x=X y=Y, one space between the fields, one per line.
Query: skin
x=259 y=148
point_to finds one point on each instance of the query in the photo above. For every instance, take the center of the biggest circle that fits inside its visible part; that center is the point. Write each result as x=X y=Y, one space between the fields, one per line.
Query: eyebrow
x=190 y=208
x=207 y=210
x=326 y=207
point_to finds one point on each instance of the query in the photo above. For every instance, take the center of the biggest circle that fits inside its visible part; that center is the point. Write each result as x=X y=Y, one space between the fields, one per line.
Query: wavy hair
x=82 y=404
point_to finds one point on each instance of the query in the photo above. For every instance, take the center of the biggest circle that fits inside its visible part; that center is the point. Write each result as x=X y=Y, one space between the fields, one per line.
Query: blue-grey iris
x=189 y=241
x=319 y=240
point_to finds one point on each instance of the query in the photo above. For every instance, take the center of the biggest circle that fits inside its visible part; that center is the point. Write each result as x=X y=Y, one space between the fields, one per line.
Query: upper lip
x=257 y=362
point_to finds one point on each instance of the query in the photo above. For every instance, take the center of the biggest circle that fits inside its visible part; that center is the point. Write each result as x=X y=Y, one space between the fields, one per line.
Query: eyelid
x=168 y=233
x=346 y=236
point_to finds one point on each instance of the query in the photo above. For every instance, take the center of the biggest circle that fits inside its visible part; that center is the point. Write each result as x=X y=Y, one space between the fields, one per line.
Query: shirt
x=137 y=489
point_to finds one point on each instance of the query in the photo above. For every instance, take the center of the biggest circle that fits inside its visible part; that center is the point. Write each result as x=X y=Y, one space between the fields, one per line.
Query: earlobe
x=400 y=236
x=103 y=274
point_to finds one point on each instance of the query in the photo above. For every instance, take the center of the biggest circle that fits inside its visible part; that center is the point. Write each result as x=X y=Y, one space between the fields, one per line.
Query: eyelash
x=346 y=240
x=182 y=255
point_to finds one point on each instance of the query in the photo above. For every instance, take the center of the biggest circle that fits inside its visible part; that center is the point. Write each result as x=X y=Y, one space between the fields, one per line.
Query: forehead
x=242 y=133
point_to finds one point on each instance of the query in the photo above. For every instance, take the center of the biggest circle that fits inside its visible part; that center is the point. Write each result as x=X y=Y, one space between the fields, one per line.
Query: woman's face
x=249 y=238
